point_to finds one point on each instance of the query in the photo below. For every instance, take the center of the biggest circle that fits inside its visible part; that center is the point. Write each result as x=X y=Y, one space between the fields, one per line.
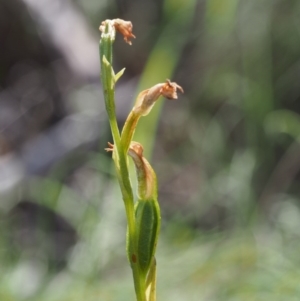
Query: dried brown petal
x=110 y=147
x=137 y=148
x=125 y=28
x=169 y=90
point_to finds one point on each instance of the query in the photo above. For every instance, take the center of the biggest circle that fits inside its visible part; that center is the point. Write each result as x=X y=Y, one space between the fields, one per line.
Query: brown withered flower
x=169 y=90
x=145 y=174
x=147 y=98
x=123 y=27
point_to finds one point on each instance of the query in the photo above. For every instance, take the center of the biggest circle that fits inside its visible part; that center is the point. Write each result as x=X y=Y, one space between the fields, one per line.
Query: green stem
x=129 y=129
x=123 y=178
x=120 y=150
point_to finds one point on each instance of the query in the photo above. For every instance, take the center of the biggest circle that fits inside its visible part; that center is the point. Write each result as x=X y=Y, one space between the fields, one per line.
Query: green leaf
x=119 y=74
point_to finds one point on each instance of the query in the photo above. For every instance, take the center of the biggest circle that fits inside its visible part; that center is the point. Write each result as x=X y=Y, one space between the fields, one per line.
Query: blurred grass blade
x=163 y=61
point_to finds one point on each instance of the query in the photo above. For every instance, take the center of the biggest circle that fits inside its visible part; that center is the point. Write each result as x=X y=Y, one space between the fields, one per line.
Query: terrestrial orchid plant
x=143 y=215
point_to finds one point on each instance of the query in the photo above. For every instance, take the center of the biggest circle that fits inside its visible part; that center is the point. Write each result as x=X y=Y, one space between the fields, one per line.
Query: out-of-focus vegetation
x=226 y=154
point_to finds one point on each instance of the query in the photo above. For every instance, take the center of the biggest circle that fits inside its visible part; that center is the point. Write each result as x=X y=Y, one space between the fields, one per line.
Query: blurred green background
x=226 y=153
